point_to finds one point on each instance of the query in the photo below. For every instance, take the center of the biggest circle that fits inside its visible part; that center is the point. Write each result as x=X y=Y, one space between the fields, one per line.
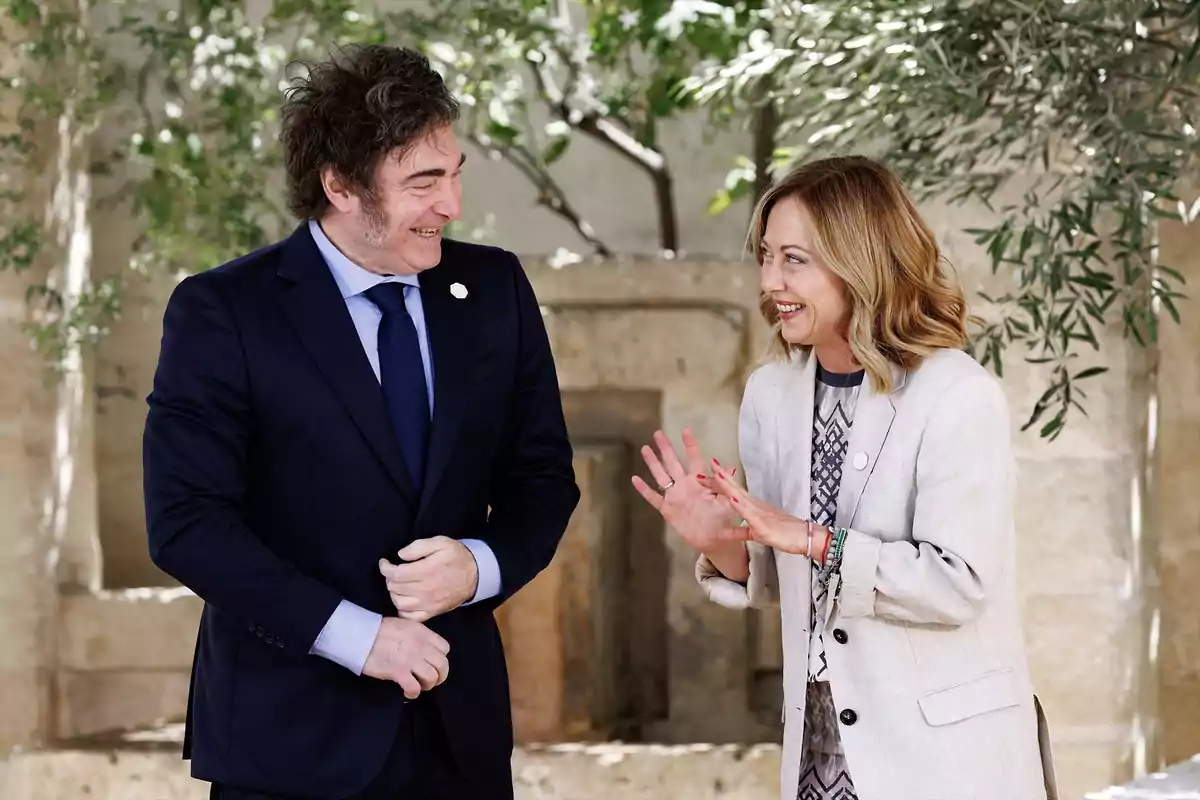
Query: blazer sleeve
x=533 y=491
x=194 y=454
x=762 y=588
x=962 y=519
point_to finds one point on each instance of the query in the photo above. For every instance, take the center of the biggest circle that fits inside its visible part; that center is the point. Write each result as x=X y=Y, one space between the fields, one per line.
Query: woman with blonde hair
x=878 y=512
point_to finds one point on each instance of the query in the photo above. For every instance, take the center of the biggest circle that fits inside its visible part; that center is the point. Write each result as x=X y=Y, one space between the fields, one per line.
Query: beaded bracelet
x=833 y=553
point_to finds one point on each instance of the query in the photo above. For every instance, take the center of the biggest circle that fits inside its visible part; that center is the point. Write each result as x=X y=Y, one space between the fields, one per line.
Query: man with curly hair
x=354 y=452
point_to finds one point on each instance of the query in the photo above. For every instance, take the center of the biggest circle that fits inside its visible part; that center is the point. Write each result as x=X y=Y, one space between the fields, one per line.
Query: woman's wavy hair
x=903 y=303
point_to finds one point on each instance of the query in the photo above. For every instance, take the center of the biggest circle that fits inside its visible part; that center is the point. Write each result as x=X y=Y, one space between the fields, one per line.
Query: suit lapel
x=315 y=308
x=452 y=325
x=873 y=416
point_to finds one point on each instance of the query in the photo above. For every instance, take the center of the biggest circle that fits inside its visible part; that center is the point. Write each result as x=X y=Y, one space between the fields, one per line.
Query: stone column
x=1177 y=499
x=44 y=433
x=1081 y=569
x=26 y=583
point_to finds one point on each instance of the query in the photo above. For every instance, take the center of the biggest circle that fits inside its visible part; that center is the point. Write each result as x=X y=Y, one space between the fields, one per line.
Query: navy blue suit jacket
x=274 y=484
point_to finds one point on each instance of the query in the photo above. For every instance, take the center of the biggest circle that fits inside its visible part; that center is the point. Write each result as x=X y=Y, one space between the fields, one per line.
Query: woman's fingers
x=657 y=471
x=691 y=449
x=652 y=497
x=724 y=479
x=669 y=458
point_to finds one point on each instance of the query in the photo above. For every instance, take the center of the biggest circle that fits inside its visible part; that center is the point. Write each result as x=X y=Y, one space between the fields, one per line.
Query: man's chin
x=427 y=256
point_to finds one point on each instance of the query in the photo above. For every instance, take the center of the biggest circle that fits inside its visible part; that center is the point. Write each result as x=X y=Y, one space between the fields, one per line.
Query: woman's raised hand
x=702 y=517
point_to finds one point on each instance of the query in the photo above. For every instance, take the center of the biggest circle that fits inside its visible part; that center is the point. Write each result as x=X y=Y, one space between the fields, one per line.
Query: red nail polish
x=701 y=477
x=734 y=499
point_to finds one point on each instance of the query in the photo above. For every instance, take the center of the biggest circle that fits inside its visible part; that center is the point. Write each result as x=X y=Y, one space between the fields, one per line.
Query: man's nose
x=449 y=204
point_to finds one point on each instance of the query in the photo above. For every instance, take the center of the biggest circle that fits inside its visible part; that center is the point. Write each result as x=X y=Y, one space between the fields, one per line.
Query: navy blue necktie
x=402 y=373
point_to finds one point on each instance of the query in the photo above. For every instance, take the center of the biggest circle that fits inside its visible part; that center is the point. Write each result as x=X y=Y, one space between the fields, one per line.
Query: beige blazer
x=932 y=661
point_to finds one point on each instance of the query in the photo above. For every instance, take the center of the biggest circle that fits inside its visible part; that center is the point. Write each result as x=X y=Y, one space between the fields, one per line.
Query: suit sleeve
x=533 y=489
x=962 y=520
x=195 y=454
x=761 y=590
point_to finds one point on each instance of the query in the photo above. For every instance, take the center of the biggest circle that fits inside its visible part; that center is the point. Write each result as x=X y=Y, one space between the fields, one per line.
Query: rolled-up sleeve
x=962 y=520
x=760 y=591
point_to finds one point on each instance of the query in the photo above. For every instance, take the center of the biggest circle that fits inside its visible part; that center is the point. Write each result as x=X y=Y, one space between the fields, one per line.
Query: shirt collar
x=351 y=279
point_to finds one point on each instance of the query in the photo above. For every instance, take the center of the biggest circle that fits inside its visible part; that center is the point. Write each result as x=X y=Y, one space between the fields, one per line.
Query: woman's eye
x=795 y=260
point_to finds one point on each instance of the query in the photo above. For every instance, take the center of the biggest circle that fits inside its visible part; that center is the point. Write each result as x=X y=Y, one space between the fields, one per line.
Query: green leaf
x=555 y=149
x=720 y=201
x=502 y=133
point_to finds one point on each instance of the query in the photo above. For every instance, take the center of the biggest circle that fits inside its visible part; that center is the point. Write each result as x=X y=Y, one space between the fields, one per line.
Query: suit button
x=848 y=717
x=840 y=636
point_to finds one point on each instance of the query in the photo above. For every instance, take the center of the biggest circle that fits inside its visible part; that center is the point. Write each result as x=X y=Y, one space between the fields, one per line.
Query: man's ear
x=340 y=197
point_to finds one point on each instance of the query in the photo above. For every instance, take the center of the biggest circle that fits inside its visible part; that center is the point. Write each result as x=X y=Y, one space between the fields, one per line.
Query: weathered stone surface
x=124 y=375
x=1180 y=781
x=111 y=630
x=150 y=769
x=562 y=633
x=1072 y=517
x=26 y=579
x=1176 y=524
x=646 y=348
x=1082 y=677
x=628 y=418
x=1085 y=766
x=95 y=702
x=108 y=677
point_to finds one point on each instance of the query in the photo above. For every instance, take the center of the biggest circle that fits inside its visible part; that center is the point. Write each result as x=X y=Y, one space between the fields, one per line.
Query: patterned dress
x=824 y=774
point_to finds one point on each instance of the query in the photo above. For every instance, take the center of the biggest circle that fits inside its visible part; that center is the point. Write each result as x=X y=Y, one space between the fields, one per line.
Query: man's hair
x=904 y=301
x=351 y=111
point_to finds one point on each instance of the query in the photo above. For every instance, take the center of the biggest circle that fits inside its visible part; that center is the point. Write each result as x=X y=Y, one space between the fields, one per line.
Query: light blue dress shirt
x=350 y=631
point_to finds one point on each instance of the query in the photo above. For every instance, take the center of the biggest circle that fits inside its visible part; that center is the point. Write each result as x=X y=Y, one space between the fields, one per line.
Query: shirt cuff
x=348 y=636
x=488 y=567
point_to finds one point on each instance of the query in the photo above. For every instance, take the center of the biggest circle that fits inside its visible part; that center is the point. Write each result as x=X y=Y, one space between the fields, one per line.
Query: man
x=355 y=450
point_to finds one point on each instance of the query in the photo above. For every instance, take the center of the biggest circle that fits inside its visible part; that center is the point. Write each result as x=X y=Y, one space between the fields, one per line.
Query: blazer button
x=840 y=636
x=848 y=717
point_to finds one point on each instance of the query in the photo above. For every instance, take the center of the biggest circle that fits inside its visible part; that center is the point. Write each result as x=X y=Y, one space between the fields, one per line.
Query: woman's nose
x=770 y=276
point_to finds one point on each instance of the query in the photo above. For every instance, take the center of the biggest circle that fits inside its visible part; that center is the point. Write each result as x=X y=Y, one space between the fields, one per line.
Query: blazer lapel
x=315 y=308
x=873 y=417
x=452 y=324
x=796 y=441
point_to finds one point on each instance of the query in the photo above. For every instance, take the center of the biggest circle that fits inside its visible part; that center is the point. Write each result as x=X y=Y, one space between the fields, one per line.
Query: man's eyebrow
x=434 y=173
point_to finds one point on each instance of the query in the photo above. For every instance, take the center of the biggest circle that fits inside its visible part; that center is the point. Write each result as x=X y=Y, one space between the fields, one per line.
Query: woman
x=879 y=507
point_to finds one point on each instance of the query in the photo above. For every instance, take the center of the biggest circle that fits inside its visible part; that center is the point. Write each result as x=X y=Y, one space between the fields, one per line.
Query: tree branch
x=595 y=124
x=549 y=193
